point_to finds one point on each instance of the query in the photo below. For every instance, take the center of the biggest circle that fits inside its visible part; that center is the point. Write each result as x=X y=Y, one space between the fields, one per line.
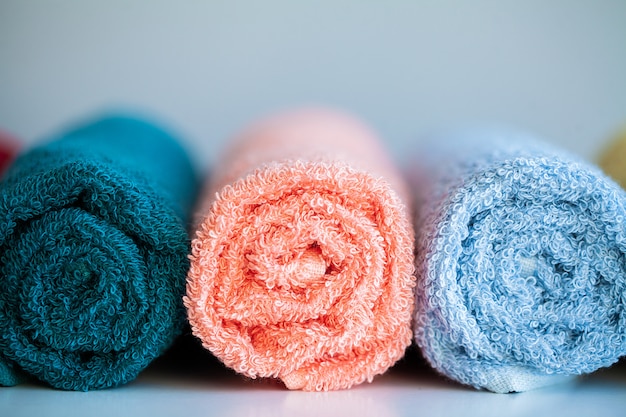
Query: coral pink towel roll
x=301 y=266
x=9 y=147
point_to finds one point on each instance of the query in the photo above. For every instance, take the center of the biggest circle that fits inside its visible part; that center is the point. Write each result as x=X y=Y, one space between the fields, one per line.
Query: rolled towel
x=9 y=147
x=613 y=158
x=301 y=265
x=93 y=254
x=520 y=261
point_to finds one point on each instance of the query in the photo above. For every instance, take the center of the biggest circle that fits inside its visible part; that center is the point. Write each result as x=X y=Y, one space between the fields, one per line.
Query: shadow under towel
x=93 y=254
x=520 y=261
x=302 y=264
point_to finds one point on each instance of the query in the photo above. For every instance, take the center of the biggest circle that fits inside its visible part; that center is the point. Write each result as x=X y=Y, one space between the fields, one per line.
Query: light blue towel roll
x=521 y=269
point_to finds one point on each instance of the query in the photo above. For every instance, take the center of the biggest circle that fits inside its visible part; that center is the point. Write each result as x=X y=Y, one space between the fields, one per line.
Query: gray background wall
x=556 y=68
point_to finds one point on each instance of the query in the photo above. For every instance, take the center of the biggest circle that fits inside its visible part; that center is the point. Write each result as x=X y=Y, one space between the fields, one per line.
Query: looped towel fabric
x=9 y=147
x=520 y=261
x=93 y=254
x=301 y=265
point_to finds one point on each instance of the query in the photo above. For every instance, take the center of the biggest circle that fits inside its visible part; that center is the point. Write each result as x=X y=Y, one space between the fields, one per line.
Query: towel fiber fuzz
x=93 y=254
x=520 y=261
x=302 y=265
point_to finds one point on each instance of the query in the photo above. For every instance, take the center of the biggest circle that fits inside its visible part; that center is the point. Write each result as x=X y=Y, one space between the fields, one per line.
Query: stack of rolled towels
x=309 y=256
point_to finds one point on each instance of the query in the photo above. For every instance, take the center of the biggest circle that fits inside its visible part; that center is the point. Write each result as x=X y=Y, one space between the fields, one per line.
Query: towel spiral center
x=301 y=269
x=308 y=268
x=70 y=274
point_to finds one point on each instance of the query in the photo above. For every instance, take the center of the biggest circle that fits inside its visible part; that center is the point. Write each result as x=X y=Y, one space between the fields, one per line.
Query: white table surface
x=189 y=382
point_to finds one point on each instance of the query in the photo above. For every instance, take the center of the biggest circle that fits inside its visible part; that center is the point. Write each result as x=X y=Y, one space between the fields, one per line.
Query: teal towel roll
x=93 y=254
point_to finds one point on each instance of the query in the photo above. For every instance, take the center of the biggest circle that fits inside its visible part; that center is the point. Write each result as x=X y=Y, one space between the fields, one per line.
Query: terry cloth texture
x=9 y=147
x=302 y=264
x=93 y=254
x=520 y=261
x=613 y=159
